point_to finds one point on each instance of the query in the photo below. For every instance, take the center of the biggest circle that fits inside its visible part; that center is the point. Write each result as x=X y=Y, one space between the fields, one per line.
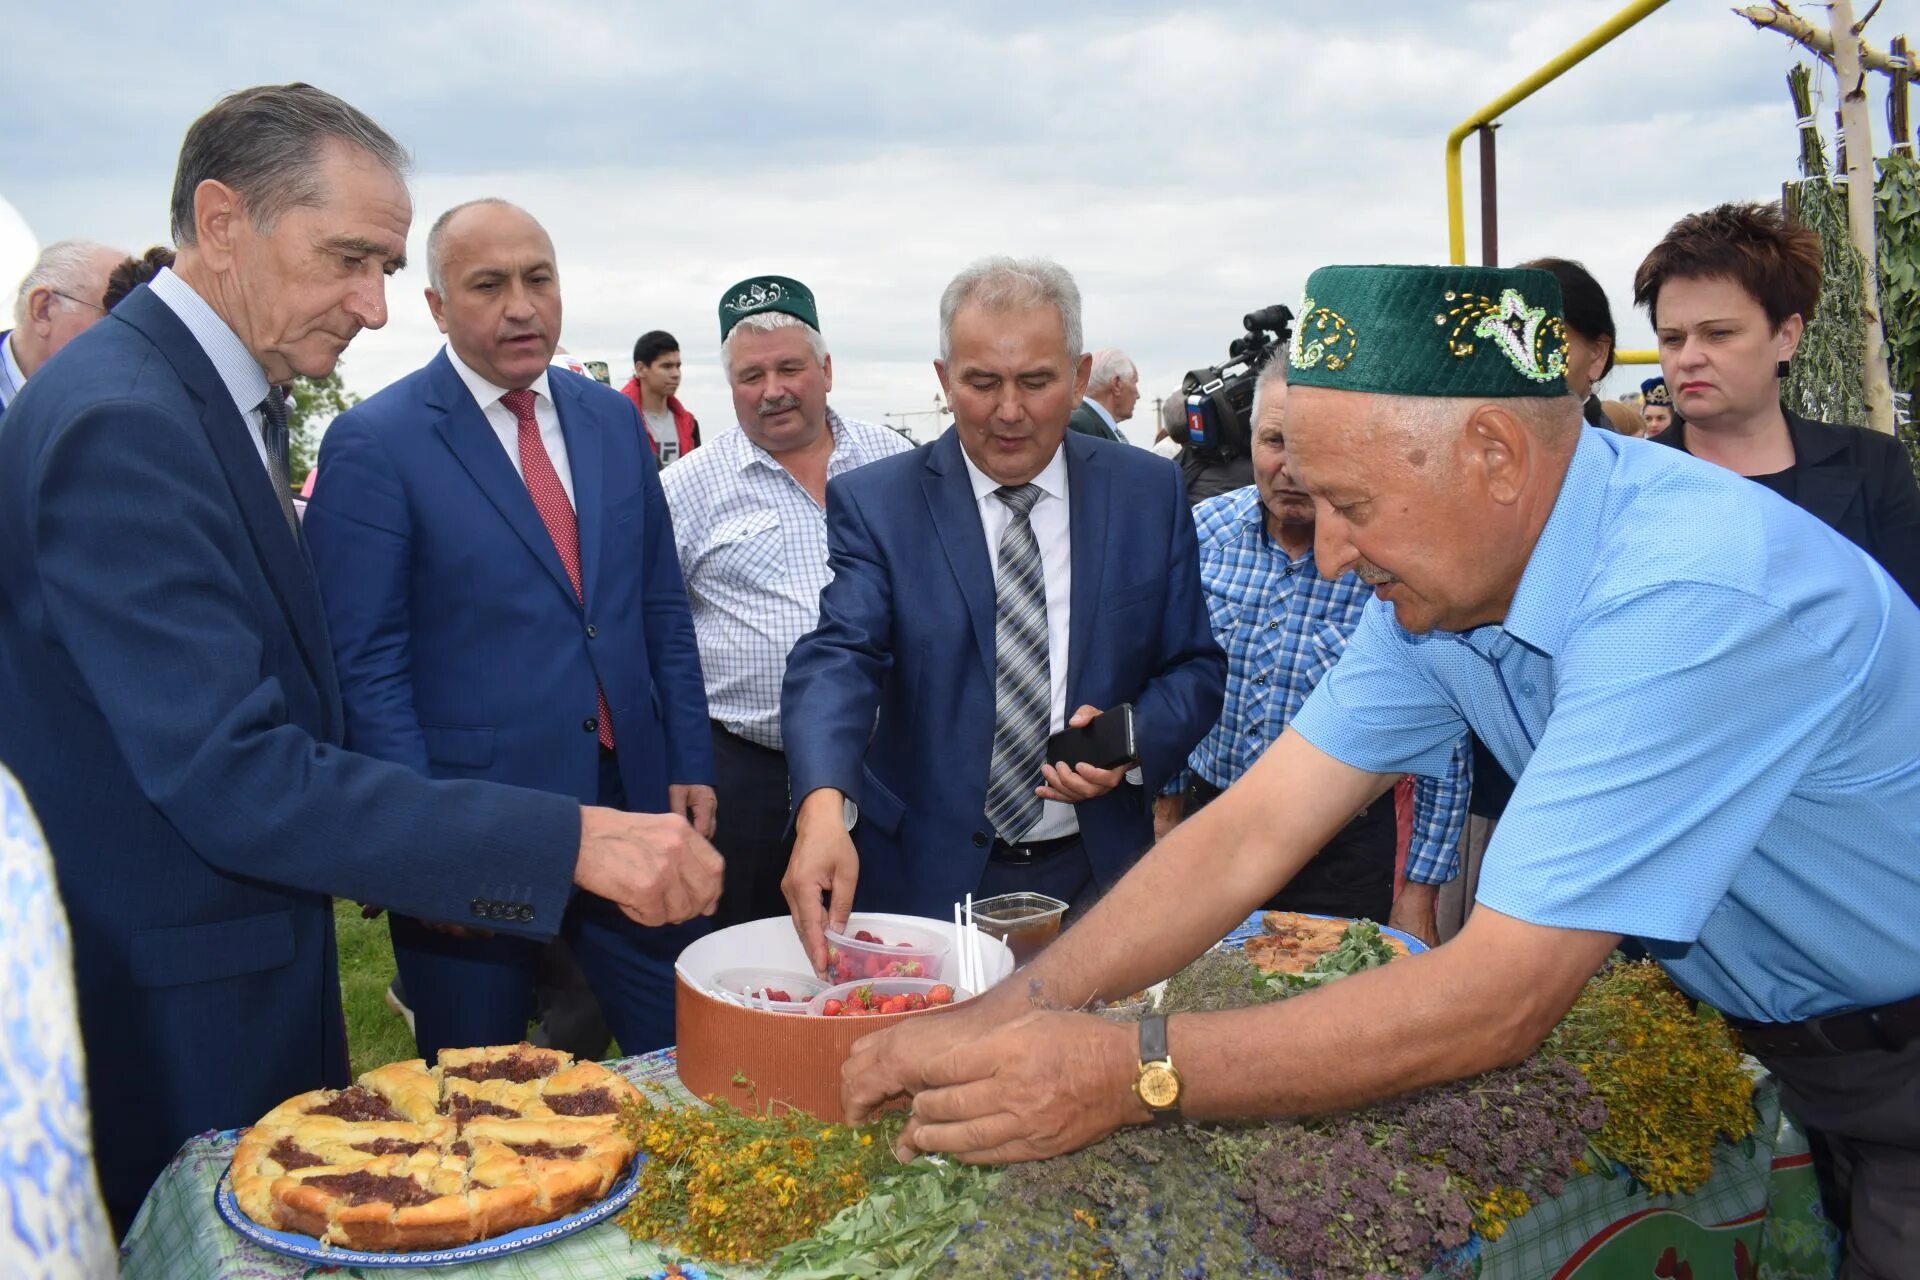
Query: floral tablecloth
x=1759 y=1218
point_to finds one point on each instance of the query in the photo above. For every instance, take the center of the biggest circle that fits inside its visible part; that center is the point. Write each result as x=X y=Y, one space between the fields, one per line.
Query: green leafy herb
x=1361 y=947
x=899 y=1232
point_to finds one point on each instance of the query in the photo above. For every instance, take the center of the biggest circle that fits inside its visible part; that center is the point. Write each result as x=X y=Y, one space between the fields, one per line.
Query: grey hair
x=61 y=267
x=437 y=237
x=1109 y=366
x=767 y=322
x=1007 y=284
x=1273 y=373
x=265 y=143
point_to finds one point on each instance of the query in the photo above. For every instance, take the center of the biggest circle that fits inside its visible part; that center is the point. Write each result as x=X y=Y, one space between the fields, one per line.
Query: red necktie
x=550 y=500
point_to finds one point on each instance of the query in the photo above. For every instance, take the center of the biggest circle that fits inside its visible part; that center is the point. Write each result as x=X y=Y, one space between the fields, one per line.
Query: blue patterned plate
x=307 y=1249
x=1251 y=928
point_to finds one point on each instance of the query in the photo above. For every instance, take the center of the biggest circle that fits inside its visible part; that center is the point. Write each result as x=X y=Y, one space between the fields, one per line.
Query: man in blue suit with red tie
x=990 y=589
x=505 y=602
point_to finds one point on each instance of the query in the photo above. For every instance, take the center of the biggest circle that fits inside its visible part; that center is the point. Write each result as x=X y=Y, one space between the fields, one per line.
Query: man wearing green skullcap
x=753 y=549
x=1742 y=796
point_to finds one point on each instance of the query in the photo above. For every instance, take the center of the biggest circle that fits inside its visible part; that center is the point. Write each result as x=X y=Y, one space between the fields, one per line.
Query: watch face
x=1159 y=1087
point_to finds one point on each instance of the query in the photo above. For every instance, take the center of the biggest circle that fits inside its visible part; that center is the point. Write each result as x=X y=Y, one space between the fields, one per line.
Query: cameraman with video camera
x=1213 y=419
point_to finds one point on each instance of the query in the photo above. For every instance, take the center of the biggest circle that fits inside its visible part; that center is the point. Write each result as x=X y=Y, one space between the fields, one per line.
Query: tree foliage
x=312 y=404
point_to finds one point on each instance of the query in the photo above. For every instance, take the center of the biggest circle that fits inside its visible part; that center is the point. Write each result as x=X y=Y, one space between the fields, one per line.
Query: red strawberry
x=942 y=994
x=832 y=1009
x=894 y=1004
x=864 y=936
x=902 y=944
x=775 y=993
x=916 y=1001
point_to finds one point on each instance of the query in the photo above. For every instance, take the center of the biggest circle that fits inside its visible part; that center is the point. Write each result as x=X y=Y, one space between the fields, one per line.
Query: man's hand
x=650 y=865
x=823 y=862
x=1167 y=813
x=1072 y=784
x=696 y=803
x=1040 y=1085
x=1414 y=912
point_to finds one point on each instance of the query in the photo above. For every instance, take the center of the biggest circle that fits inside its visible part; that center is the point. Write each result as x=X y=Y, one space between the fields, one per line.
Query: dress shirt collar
x=1052 y=478
x=245 y=380
x=11 y=377
x=485 y=394
x=1101 y=409
x=1563 y=557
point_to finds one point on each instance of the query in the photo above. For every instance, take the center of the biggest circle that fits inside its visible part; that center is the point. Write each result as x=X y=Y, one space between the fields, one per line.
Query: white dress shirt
x=507 y=427
x=11 y=376
x=1051 y=529
x=239 y=372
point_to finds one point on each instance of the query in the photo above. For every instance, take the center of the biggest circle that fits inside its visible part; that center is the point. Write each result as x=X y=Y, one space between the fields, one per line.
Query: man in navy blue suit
x=170 y=695
x=505 y=602
x=983 y=585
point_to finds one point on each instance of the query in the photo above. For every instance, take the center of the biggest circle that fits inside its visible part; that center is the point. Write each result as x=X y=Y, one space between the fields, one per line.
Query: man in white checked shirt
x=749 y=518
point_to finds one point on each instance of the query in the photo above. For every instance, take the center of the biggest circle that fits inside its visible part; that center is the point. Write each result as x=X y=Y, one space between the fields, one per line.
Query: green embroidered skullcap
x=1431 y=331
x=757 y=294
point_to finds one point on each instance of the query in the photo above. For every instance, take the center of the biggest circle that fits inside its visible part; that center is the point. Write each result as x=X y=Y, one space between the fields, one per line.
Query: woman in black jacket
x=1728 y=292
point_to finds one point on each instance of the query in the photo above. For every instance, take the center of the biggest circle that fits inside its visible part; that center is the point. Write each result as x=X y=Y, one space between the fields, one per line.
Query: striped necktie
x=1023 y=679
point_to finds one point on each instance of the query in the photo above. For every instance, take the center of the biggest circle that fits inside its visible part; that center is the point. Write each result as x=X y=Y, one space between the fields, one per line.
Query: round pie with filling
x=486 y=1142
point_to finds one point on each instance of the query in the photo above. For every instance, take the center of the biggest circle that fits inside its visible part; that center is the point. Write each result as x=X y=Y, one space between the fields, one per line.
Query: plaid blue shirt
x=1283 y=627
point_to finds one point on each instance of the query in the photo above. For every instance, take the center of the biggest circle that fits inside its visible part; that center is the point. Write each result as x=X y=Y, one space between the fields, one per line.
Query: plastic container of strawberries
x=776 y=990
x=872 y=996
x=885 y=949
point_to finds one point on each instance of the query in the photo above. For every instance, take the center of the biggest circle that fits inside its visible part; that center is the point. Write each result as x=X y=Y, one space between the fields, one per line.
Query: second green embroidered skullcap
x=759 y=294
x=1431 y=331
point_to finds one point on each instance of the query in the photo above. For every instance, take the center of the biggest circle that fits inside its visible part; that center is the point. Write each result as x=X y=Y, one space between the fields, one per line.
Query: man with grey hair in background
x=1006 y=582
x=748 y=516
x=1113 y=388
x=172 y=704
x=63 y=293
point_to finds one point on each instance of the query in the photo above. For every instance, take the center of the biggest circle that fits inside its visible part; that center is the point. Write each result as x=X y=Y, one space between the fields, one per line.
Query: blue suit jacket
x=172 y=710
x=463 y=652
x=907 y=631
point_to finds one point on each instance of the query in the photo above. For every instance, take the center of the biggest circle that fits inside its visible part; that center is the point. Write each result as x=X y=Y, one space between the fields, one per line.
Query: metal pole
x=1489 y=201
x=1574 y=54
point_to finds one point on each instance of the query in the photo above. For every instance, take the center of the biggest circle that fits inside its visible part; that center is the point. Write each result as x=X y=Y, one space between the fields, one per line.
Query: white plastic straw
x=959 y=947
x=973 y=951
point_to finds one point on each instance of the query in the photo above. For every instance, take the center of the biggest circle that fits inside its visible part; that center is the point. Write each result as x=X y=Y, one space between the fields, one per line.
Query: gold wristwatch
x=1157 y=1084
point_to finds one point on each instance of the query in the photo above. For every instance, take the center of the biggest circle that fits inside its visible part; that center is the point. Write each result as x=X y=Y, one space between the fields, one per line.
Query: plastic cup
x=1026 y=922
x=752 y=984
x=904 y=951
x=883 y=987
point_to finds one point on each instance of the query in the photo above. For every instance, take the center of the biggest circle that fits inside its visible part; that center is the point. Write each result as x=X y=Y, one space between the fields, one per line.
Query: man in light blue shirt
x=1710 y=701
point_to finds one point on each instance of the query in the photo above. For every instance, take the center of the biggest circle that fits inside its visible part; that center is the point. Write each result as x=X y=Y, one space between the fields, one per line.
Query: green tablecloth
x=1759 y=1217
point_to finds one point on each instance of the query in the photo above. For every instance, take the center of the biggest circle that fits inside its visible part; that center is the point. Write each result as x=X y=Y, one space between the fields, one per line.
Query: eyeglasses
x=82 y=301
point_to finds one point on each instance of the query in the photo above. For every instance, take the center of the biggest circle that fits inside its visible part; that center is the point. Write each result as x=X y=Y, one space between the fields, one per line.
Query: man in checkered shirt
x=750 y=522
x=1283 y=627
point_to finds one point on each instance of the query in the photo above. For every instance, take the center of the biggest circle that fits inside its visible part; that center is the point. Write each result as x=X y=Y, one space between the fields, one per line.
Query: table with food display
x=1637 y=1142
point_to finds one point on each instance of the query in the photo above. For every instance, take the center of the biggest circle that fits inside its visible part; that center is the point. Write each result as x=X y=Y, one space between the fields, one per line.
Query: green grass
x=376 y=1035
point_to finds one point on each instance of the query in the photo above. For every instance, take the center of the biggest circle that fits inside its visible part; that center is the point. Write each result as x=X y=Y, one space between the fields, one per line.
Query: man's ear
x=219 y=215
x=436 y=304
x=1500 y=448
x=1082 y=374
x=40 y=304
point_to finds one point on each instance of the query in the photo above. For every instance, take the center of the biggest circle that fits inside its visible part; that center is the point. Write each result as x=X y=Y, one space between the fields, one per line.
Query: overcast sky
x=1186 y=163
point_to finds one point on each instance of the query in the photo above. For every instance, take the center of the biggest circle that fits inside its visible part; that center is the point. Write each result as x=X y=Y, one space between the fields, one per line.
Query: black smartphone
x=1105 y=742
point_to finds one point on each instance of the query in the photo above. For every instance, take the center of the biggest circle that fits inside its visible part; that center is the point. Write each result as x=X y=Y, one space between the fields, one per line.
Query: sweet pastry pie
x=1292 y=942
x=488 y=1141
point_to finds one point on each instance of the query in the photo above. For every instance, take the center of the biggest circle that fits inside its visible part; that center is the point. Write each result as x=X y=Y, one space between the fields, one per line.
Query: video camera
x=1219 y=400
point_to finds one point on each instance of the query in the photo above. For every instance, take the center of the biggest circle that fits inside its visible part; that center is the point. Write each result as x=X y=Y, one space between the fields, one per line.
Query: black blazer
x=1861 y=484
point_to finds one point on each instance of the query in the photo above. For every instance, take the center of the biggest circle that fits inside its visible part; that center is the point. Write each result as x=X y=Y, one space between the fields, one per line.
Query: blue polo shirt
x=1712 y=704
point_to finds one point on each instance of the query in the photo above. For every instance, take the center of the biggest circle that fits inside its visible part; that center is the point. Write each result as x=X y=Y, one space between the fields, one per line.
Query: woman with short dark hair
x=1729 y=292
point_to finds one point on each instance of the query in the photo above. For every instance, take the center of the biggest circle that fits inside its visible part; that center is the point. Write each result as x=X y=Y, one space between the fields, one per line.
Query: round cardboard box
x=777 y=1057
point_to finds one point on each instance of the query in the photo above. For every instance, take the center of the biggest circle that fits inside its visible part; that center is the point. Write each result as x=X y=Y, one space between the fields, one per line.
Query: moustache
x=779 y=404
x=1372 y=575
